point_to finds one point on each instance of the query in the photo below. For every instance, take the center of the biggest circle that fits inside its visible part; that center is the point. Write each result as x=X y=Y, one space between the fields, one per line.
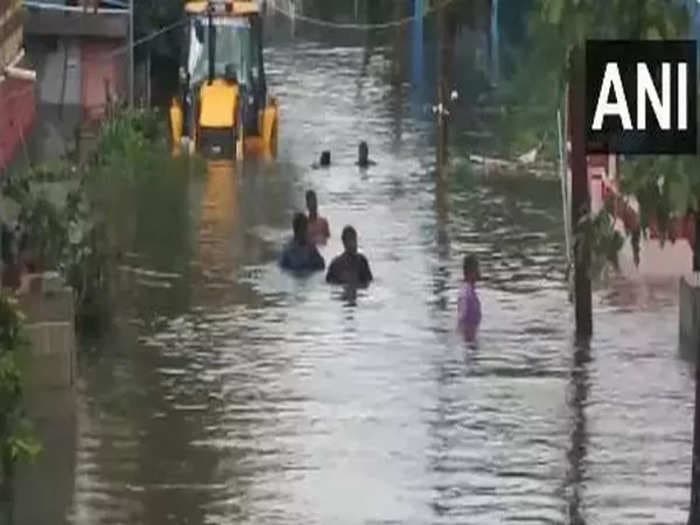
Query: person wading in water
x=468 y=304
x=350 y=267
x=300 y=255
x=318 y=229
x=363 y=160
x=324 y=161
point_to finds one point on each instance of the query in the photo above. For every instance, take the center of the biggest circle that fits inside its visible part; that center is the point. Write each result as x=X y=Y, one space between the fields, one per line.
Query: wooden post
x=442 y=97
x=694 y=514
x=580 y=197
x=148 y=79
x=7 y=477
x=131 y=54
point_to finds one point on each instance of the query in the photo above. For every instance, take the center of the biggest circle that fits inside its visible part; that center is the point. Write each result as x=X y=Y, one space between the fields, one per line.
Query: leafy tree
x=665 y=187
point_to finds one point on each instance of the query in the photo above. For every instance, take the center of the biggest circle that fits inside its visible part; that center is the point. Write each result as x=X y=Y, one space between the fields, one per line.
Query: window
x=232 y=48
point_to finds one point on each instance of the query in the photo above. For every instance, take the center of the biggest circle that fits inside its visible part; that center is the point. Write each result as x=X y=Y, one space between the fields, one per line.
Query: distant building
x=17 y=103
x=80 y=53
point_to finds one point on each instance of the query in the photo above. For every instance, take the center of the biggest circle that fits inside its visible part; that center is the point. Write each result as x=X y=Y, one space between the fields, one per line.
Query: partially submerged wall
x=689 y=315
x=48 y=306
x=50 y=401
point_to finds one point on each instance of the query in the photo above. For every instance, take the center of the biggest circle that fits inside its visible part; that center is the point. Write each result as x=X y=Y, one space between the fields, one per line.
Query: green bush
x=71 y=212
x=17 y=442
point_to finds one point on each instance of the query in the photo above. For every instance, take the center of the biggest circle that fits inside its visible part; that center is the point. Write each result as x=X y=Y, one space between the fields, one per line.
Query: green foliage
x=605 y=243
x=578 y=20
x=72 y=230
x=152 y=15
x=67 y=211
x=129 y=138
x=666 y=187
x=17 y=442
x=131 y=146
x=536 y=90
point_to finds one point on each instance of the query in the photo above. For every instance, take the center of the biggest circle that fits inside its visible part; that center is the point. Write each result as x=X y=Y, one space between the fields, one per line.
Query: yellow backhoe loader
x=223 y=110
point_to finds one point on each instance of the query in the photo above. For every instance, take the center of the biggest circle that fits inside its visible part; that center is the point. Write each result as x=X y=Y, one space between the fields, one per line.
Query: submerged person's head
x=363 y=154
x=325 y=158
x=470 y=268
x=349 y=238
x=311 y=202
x=299 y=226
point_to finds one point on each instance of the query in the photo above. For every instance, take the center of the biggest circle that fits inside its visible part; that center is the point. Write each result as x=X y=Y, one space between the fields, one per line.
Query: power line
x=147 y=38
x=360 y=27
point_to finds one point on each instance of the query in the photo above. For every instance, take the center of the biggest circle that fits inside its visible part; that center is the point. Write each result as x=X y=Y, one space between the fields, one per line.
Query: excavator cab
x=223 y=109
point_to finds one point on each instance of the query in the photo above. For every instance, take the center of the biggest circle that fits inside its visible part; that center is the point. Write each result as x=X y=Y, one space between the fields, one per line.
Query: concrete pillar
x=58 y=72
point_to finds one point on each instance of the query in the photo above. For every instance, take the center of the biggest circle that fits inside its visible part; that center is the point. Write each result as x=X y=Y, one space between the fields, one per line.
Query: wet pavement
x=232 y=393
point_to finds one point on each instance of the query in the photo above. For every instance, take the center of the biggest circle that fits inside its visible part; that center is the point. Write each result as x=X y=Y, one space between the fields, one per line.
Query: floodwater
x=231 y=393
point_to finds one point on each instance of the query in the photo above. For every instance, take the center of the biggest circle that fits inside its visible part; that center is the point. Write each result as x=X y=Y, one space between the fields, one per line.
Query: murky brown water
x=237 y=394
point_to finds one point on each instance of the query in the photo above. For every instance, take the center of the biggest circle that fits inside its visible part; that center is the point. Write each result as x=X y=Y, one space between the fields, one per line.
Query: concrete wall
x=57 y=63
x=77 y=22
x=54 y=131
x=48 y=307
x=74 y=71
x=43 y=490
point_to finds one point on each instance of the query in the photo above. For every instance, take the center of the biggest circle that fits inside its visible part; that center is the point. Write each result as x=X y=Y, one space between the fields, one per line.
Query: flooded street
x=232 y=393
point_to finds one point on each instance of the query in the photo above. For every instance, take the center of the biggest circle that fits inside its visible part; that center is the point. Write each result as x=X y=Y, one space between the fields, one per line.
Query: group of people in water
x=363 y=160
x=301 y=254
x=351 y=268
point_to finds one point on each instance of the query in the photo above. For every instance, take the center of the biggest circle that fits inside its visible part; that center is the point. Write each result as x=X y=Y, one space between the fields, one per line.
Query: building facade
x=80 y=54
x=17 y=94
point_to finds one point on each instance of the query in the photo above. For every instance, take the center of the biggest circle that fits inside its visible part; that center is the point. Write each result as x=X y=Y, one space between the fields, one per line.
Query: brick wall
x=99 y=70
x=17 y=113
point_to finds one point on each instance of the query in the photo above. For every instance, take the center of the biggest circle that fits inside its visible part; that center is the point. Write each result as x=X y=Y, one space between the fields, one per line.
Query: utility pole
x=694 y=515
x=148 y=79
x=131 y=54
x=443 y=66
x=494 y=41
x=580 y=198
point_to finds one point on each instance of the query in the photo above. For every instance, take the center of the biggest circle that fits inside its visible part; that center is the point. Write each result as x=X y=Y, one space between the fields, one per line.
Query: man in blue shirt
x=300 y=255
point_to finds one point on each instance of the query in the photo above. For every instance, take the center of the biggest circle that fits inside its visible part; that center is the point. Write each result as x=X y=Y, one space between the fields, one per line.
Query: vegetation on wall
x=665 y=187
x=17 y=442
x=71 y=213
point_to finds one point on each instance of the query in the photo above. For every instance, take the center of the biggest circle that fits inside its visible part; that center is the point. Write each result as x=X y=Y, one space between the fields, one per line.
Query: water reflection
x=218 y=219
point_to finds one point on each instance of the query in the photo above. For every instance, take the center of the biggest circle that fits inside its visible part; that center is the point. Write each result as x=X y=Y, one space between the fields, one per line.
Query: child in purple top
x=468 y=304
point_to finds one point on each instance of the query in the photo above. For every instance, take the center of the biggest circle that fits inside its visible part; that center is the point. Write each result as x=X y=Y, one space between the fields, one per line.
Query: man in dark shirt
x=300 y=255
x=324 y=161
x=350 y=267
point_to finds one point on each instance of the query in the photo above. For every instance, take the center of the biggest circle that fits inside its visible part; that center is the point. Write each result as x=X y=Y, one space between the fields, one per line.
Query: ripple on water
x=273 y=400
